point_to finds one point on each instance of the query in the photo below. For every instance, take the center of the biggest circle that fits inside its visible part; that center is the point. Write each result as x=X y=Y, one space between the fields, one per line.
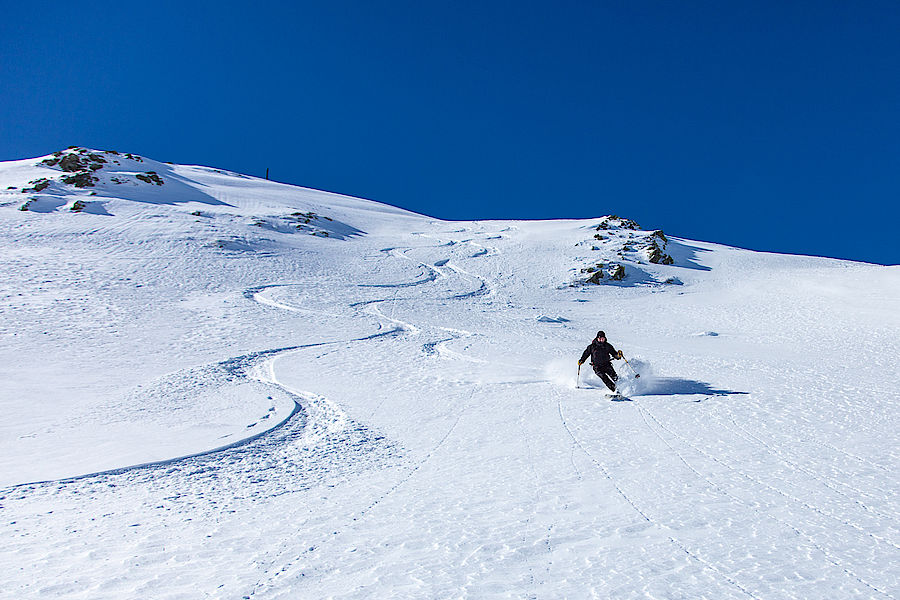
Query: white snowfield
x=225 y=387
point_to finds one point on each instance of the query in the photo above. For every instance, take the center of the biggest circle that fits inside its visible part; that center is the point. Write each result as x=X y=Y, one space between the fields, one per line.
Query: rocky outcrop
x=624 y=251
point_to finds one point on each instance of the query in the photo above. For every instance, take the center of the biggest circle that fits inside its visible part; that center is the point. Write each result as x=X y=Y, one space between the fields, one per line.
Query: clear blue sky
x=767 y=125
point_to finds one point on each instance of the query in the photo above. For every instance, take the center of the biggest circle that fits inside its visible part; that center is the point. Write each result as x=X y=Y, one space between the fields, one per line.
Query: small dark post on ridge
x=267 y=172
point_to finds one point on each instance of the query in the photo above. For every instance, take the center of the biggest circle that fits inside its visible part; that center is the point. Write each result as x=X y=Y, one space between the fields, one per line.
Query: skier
x=601 y=352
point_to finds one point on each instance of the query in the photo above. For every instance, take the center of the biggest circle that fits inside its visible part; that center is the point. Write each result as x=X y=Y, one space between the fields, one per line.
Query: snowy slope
x=375 y=403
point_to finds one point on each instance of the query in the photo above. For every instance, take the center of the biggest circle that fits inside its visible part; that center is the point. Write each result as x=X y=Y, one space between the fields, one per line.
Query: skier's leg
x=601 y=371
x=602 y=374
x=608 y=382
x=608 y=375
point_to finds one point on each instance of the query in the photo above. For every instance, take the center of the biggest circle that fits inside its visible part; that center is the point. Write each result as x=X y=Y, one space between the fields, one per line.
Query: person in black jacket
x=601 y=353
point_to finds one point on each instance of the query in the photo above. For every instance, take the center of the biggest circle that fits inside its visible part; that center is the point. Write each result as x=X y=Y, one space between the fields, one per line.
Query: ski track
x=741 y=431
x=257 y=294
x=295 y=457
x=644 y=515
x=539 y=495
x=719 y=488
x=803 y=436
x=823 y=512
x=240 y=367
x=287 y=568
x=277 y=570
x=783 y=494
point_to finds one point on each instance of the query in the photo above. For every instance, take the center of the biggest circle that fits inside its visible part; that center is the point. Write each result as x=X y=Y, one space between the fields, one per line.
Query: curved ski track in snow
x=258 y=366
x=277 y=568
x=249 y=366
x=284 y=569
x=242 y=367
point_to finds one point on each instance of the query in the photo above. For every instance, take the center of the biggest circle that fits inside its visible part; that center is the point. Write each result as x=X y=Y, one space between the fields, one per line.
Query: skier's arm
x=587 y=352
x=613 y=352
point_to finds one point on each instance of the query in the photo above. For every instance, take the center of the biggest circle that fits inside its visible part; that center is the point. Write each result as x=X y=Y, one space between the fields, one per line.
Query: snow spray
x=628 y=384
x=560 y=371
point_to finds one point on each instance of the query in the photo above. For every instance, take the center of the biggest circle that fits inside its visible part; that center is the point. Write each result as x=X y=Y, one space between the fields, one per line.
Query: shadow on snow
x=674 y=386
x=686 y=255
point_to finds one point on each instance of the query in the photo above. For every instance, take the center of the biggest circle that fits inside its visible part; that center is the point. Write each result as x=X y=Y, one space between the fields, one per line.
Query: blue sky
x=766 y=125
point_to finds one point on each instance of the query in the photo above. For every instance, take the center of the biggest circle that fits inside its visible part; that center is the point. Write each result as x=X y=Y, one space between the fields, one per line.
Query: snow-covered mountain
x=221 y=386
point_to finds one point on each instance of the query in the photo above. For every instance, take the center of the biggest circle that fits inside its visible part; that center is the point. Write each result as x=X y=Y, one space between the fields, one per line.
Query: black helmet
x=601 y=334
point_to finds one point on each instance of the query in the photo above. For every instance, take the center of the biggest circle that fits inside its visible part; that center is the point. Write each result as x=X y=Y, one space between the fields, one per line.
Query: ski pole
x=578 y=377
x=636 y=374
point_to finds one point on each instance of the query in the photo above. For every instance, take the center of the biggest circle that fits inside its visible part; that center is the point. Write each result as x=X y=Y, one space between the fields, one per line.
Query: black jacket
x=600 y=353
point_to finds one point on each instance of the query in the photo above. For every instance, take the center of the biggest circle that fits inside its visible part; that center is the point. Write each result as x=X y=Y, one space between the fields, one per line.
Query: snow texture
x=219 y=386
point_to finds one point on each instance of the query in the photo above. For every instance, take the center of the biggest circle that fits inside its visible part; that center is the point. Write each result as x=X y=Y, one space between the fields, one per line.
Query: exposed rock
x=150 y=177
x=616 y=222
x=82 y=179
x=76 y=159
x=595 y=278
x=71 y=163
x=38 y=185
x=655 y=254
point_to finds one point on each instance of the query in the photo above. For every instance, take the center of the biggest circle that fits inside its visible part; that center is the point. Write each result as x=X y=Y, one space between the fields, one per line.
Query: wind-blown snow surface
x=395 y=407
